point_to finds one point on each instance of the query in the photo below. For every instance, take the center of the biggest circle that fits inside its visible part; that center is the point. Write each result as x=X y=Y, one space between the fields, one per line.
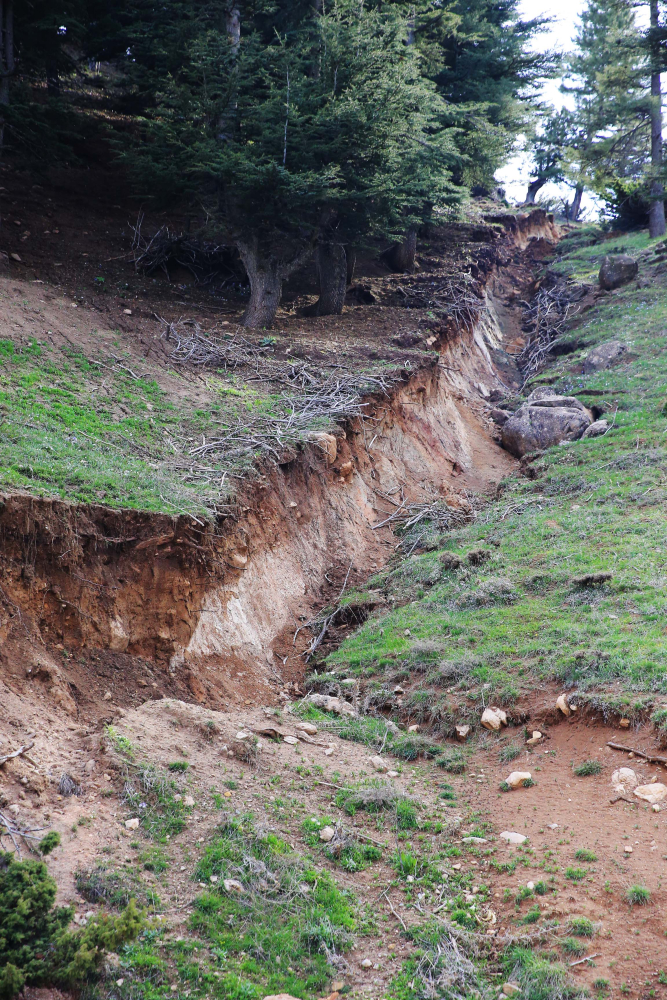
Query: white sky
x=515 y=176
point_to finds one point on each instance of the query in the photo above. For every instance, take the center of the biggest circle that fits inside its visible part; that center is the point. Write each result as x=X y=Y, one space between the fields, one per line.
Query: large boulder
x=603 y=356
x=617 y=270
x=545 y=419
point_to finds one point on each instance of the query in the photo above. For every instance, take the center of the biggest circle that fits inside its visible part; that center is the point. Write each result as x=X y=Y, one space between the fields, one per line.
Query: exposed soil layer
x=97 y=602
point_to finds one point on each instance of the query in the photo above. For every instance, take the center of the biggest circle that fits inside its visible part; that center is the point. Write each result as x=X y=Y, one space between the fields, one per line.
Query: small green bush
x=638 y=895
x=36 y=948
x=583 y=854
x=587 y=768
x=573 y=947
x=541 y=888
x=179 y=766
x=509 y=753
x=49 y=842
x=532 y=916
x=406 y=815
x=576 y=874
x=582 y=926
x=452 y=761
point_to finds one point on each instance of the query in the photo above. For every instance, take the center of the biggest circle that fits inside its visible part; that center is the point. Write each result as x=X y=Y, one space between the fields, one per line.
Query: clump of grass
x=573 y=947
x=583 y=854
x=532 y=916
x=541 y=888
x=178 y=766
x=509 y=753
x=587 y=768
x=114 y=887
x=600 y=984
x=582 y=926
x=638 y=895
x=540 y=978
x=376 y=796
x=576 y=874
x=452 y=761
x=523 y=893
x=291 y=916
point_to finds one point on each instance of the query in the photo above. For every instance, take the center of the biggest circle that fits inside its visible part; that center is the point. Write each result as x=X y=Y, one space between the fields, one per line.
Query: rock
x=307 y=727
x=474 y=840
x=329 y=704
x=392 y=774
x=535 y=738
x=627 y=849
x=597 y=429
x=552 y=826
x=232 y=885
x=292 y=740
x=214 y=878
x=517 y=779
x=499 y=416
x=399 y=690
x=16 y=257
x=379 y=765
x=624 y=723
x=603 y=356
x=132 y=824
x=493 y=718
x=413 y=729
x=655 y=807
x=366 y=963
x=349 y=681
x=462 y=733
x=327 y=834
x=328 y=444
x=89 y=766
x=188 y=801
x=653 y=793
x=511 y=989
x=562 y=705
x=530 y=885
x=242 y=735
x=617 y=270
x=513 y=838
x=623 y=779
x=543 y=421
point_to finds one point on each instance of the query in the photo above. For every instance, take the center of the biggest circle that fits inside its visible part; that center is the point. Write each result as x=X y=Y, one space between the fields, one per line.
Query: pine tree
x=326 y=129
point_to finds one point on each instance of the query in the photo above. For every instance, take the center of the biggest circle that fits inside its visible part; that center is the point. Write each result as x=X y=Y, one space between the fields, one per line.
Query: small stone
x=535 y=738
x=119 y=982
x=214 y=878
x=128 y=312
x=188 y=801
x=392 y=774
x=413 y=729
x=366 y=963
x=530 y=885
x=624 y=778
x=132 y=824
x=379 y=765
x=652 y=793
x=399 y=690
x=292 y=740
x=89 y=766
x=517 y=779
x=232 y=885
x=655 y=807
x=242 y=735
x=552 y=826
x=511 y=989
x=178 y=797
x=627 y=849
x=493 y=719
x=624 y=723
x=107 y=696
x=407 y=632
x=327 y=834
x=462 y=733
x=307 y=727
x=349 y=681
x=15 y=256
x=14 y=809
x=474 y=840
x=513 y=838
x=328 y=752
x=561 y=703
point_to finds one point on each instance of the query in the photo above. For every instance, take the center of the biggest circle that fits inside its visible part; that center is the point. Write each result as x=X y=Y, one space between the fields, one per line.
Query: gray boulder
x=603 y=356
x=617 y=270
x=545 y=419
x=596 y=429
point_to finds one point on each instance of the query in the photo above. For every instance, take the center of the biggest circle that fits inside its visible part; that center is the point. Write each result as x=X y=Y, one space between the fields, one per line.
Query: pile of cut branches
x=208 y=262
x=546 y=319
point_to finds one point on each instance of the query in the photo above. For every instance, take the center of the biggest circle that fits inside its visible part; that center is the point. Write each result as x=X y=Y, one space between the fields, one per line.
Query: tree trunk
x=7 y=61
x=575 y=207
x=52 y=79
x=266 y=280
x=266 y=287
x=401 y=257
x=331 y=267
x=533 y=188
x=656 y=219
x=351 y=255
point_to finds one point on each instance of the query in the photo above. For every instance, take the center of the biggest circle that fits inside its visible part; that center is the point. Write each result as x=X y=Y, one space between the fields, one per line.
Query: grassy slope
x=597 y=506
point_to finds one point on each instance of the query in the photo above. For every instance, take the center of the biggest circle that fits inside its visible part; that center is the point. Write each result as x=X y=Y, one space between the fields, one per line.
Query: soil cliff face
x=211 y=611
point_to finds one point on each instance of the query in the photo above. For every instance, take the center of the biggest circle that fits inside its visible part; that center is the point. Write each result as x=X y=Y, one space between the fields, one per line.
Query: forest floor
x=417 y=895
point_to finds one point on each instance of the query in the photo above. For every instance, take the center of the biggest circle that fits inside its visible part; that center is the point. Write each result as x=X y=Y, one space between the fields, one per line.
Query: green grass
x=638 y=895
x=597 y=506
x=584 y=854
x=587 y=768
x=581 y=926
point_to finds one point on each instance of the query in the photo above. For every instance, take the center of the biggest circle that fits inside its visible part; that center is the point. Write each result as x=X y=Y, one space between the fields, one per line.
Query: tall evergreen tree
x=327 y=127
